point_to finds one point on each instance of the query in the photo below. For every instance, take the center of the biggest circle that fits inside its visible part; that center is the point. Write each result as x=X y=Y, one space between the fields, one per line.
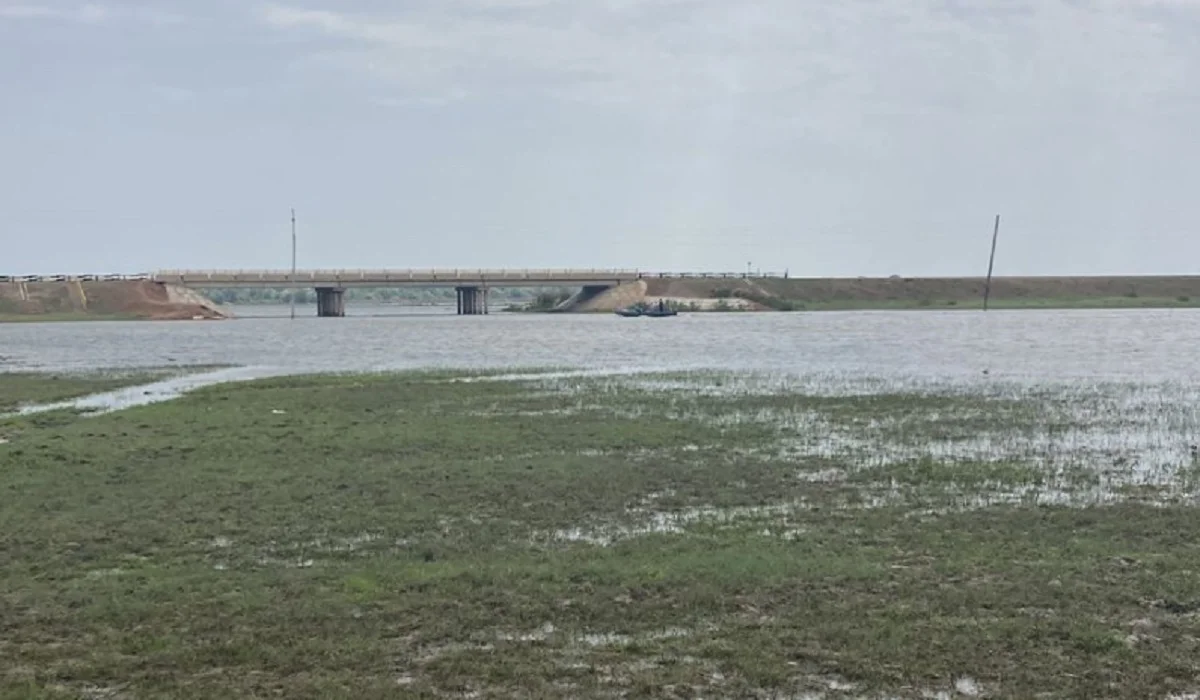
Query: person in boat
x=662 y=306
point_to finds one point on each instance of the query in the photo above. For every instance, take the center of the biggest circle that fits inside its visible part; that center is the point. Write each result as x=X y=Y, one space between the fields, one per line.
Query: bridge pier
x=472 y=301
x=331 y=302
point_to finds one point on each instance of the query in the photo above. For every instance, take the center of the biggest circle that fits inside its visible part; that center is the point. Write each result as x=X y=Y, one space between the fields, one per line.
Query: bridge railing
x=713 y=275
x=565 y=275
x=393 y=275
x=445 y=274
x=122 y=277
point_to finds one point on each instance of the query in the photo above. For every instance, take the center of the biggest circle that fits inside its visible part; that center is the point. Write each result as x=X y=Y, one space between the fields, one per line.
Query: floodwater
x=146 y=394
x=959 y=346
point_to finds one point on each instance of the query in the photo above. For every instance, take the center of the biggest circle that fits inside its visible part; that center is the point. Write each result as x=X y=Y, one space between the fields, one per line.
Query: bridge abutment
x=331 y=302
x=472 y=301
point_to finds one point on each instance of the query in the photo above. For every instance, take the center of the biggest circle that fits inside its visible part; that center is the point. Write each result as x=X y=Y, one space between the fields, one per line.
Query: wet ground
x=146 y=394
x=607 y=532
x=892 y=433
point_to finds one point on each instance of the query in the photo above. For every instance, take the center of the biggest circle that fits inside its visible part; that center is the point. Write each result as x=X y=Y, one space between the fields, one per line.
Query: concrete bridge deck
x=472 y=285
x=396 y=278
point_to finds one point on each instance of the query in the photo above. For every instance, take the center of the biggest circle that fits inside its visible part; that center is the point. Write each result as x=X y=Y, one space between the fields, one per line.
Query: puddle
x=656 y=522
x=733 y=385
x=606 y=639
x=541 y=634
x=508 y=413
x=433 y=653
x=967 y=686
x=105 y=573
x=839 y=684
x=301 y=554
x=97 y=692
x=554 y=375
x=613 y=639
x=274 y=562
x=146 y=394
x=775 y=520
x=334 y=545
x=823 y=476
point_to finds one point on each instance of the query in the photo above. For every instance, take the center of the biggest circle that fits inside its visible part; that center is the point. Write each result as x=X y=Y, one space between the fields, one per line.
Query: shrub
x=771 y=302
x=547 y=301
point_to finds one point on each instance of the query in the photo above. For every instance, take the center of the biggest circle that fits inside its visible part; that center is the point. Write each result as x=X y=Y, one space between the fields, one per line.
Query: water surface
x=960 y=346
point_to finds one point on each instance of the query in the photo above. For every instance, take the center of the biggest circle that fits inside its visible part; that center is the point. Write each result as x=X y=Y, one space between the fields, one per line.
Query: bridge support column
x=472 y=301
x=331 y=302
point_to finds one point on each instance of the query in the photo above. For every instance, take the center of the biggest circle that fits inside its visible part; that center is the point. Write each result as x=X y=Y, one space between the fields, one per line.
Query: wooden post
x=293 y=277
x=987 y=289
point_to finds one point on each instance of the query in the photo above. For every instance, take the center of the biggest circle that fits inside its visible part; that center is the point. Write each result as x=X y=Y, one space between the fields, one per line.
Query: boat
x=659 y=310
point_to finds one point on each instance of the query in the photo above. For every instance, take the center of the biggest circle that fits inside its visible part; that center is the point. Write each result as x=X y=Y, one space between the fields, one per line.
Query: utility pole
x=293 y=280
x=987 y=289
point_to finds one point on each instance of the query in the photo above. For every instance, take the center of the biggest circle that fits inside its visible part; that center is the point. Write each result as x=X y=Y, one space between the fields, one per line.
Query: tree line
x=384 y=295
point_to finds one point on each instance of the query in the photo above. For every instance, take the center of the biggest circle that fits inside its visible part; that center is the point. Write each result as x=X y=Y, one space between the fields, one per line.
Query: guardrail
x=414 y=272
x=447 y=274
x=75 y=278
x=565 y=275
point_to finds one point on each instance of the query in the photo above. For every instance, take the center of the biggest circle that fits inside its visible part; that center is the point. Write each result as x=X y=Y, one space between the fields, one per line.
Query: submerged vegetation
x=557 y=535
x=18 y=389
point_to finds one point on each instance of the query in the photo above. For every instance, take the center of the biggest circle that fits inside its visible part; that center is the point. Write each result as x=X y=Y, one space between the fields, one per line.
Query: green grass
x=775 y=303
x=1121 y=302
x=409 y=536
x=25 y=388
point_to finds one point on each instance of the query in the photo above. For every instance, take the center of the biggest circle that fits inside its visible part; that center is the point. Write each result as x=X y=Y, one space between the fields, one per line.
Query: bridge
x=471 y=285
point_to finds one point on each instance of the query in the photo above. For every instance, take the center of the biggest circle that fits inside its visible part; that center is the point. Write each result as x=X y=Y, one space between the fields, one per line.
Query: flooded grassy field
x=39 y=388
x=576 y=534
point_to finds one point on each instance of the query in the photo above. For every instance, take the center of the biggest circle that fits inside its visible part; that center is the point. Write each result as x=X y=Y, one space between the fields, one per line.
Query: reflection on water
x=897 y=346
x=353 y=310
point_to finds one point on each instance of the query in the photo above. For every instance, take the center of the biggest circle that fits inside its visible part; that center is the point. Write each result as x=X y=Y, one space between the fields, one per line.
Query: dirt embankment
x=816 y=293
x=127 y=299
x=916 y=289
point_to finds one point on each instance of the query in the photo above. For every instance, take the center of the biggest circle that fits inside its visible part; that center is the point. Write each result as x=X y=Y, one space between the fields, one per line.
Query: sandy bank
x=120 y=299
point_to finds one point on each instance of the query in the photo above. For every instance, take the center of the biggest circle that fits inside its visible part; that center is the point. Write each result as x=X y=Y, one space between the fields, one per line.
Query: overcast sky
x=847 y=137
